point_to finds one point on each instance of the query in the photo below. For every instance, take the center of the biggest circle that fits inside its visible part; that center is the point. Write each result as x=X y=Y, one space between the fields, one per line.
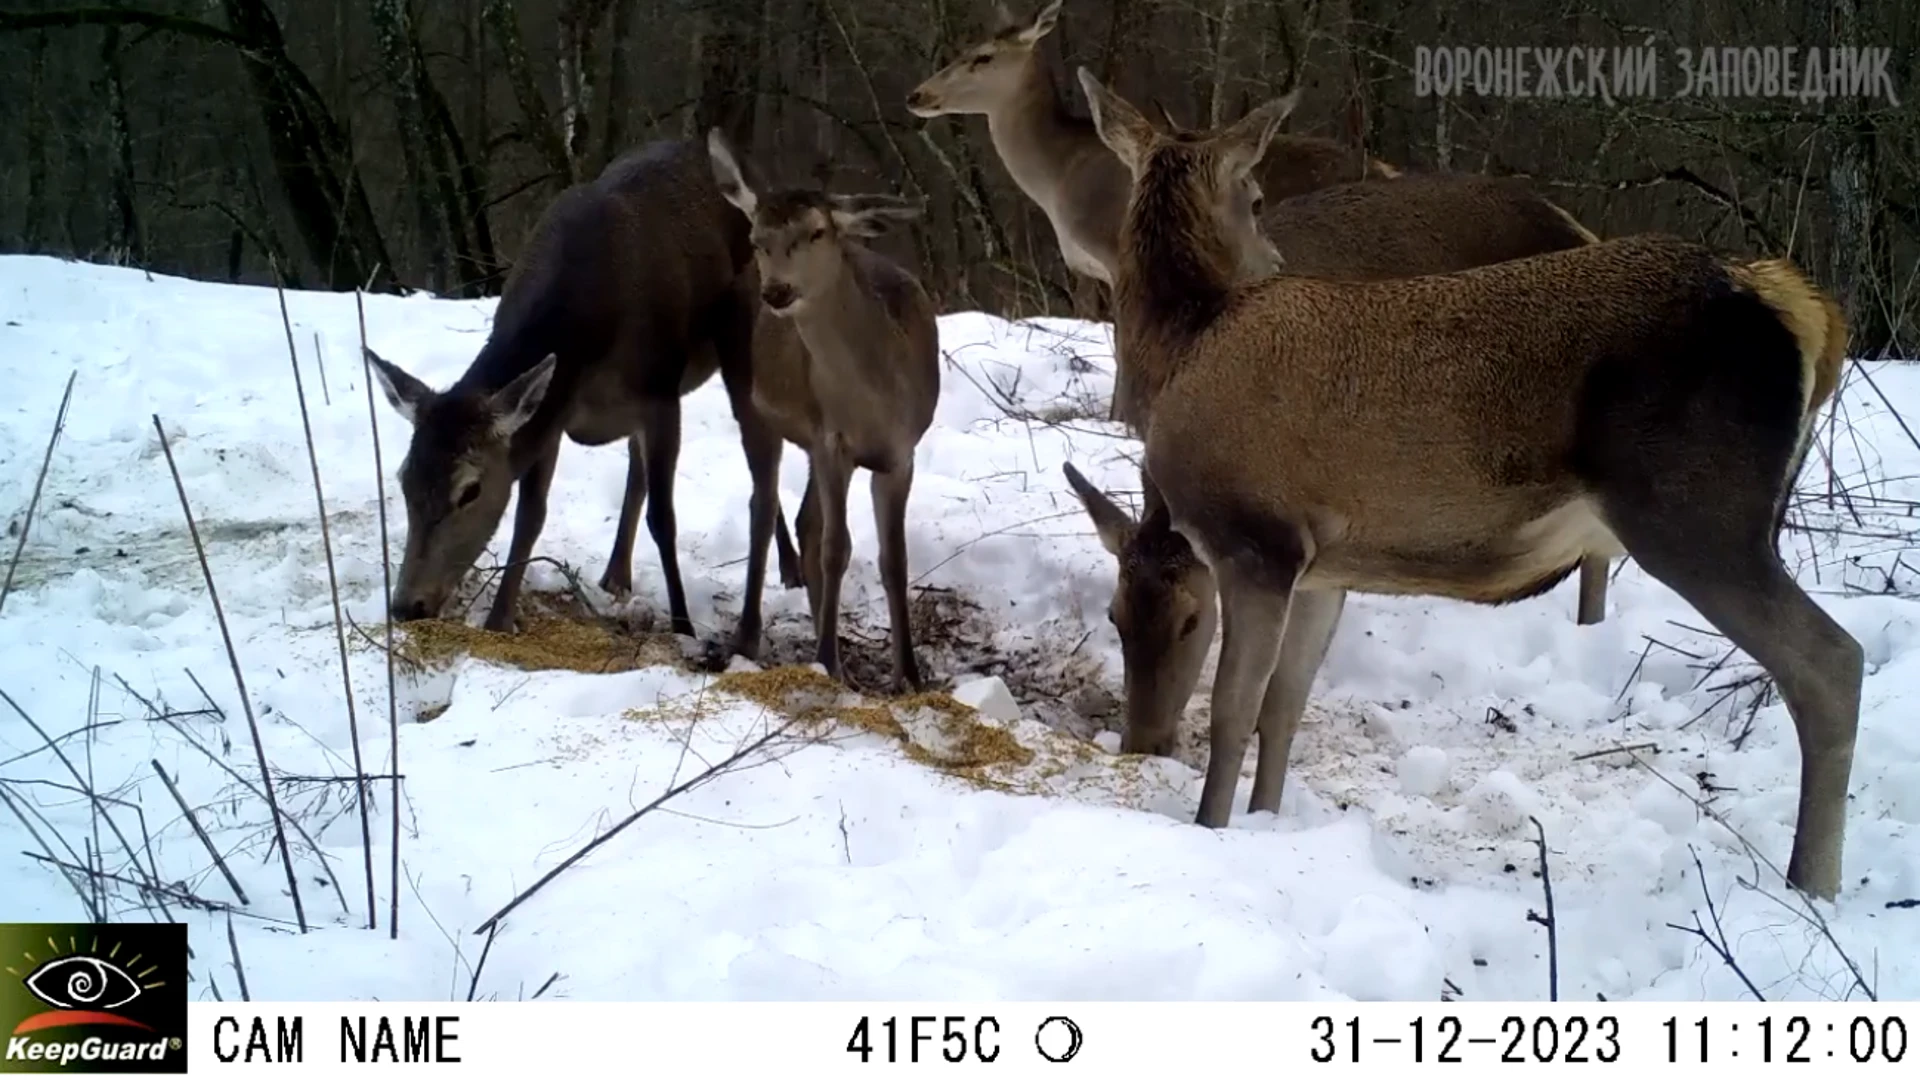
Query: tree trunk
x=329 y=208
x=616 y=133
x=35 y=231
x=536 y=121
x=1852 y=204
x=1222 y=64
x=124 y=217
x=396 y=57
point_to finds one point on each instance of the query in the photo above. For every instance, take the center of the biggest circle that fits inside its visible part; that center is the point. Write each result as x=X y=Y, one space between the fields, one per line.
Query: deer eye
x=817 y=235
x=979 y=61
x=466 y=496
x=1187 y=628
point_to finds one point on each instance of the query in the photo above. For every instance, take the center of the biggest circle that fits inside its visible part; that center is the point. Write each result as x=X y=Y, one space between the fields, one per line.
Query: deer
x=632 y=290
x=1057 y=160
x=1468 y=436
x=1422 y=224
x=847 y=368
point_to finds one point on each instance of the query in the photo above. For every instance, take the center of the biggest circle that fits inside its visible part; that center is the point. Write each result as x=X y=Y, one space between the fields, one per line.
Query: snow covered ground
x=1401 y=865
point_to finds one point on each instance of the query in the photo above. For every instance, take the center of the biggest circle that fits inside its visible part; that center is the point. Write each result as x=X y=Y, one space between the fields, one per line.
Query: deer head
x=456 y=477
x=1163 y=610
x=989 y=73
x=1204 y=178
x=799 y=233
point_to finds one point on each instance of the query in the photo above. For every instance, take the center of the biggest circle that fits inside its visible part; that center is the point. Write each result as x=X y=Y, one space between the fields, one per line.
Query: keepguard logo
x=93 y=997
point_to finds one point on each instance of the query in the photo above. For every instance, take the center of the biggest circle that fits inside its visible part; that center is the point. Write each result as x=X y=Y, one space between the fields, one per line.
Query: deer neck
x=1174 y=281
x=499 y=363
x=842 y=326
x=1037 y=138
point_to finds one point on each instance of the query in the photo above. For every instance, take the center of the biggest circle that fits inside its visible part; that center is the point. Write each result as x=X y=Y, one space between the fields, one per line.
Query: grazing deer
x=1058 y=161
x=847 y=368
x=633 y=289
x=1163 y=607
x=1470 y=436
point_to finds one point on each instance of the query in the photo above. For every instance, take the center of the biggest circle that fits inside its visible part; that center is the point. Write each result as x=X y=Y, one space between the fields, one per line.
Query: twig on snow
x=239 y=969
x=59 y=423
x=1717 y=940
x=473 y=987
x=94 y=913
x=205 y=840
x=713 y=772
x=1547 y=920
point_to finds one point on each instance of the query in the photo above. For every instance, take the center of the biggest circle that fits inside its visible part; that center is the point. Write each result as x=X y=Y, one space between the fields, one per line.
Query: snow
x=869 y=865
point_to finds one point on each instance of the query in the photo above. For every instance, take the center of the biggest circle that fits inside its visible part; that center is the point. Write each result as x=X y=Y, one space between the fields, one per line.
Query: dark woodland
x=410 y=145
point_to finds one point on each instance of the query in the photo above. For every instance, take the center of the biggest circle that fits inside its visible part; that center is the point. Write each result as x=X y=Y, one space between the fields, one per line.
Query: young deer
x=1058 y=161
x=633 y=289
x=1471 y=436
x=1163 y=605
x=847 y=368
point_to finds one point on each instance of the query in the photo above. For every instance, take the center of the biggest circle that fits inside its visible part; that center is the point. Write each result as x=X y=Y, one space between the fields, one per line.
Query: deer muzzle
x=778 y=296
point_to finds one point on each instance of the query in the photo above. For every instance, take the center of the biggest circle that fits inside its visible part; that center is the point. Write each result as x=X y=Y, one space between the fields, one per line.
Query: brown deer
x=1164 y=608
x=633 y=289
x=1469 y=436
x=1058 y=161
x=848 y=369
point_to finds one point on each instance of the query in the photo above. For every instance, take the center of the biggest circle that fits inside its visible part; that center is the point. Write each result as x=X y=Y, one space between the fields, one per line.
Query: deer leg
x=1314 y=616
x=763 y=461
x=792 y=576
x=618 y=580
x=662 y=428
x=529 y=517
x=807 y=526
x=890 y=491
x=1254 y=603
x=1593 y=590
x=832 y=473
x=1745 y=592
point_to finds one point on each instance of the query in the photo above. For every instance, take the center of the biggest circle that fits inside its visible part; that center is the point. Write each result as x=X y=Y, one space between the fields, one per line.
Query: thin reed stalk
x=239 y=681
x=386 y=585
x=333 y=590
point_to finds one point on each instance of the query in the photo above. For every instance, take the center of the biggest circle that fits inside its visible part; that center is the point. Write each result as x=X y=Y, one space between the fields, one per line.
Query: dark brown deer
x=1470 y=436
x=632 y=291
x=1057 y=159
x=1163 y=604
x=847 y=368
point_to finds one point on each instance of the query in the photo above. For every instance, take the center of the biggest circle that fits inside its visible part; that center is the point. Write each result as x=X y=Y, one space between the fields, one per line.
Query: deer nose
x=410 y=610
x=778 y=295
x=919 y=99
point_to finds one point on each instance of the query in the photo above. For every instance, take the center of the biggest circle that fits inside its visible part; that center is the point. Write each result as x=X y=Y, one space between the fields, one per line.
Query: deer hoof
x=618 y=586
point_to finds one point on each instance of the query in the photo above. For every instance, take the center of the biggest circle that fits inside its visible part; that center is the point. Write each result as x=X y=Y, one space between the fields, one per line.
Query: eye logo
x=82 y=982
x=84 y=989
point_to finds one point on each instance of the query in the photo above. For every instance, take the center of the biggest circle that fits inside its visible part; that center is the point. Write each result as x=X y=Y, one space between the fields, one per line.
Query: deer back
x=1427 y=224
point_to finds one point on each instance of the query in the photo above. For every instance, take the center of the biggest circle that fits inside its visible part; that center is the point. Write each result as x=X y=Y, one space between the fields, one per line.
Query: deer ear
x=1042 y=24
x=1121 y=127
x=1115 y=526
x=870 y=215
x=1245 y=143
x=515 y=403
x=726 y=173
x=404 y=392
